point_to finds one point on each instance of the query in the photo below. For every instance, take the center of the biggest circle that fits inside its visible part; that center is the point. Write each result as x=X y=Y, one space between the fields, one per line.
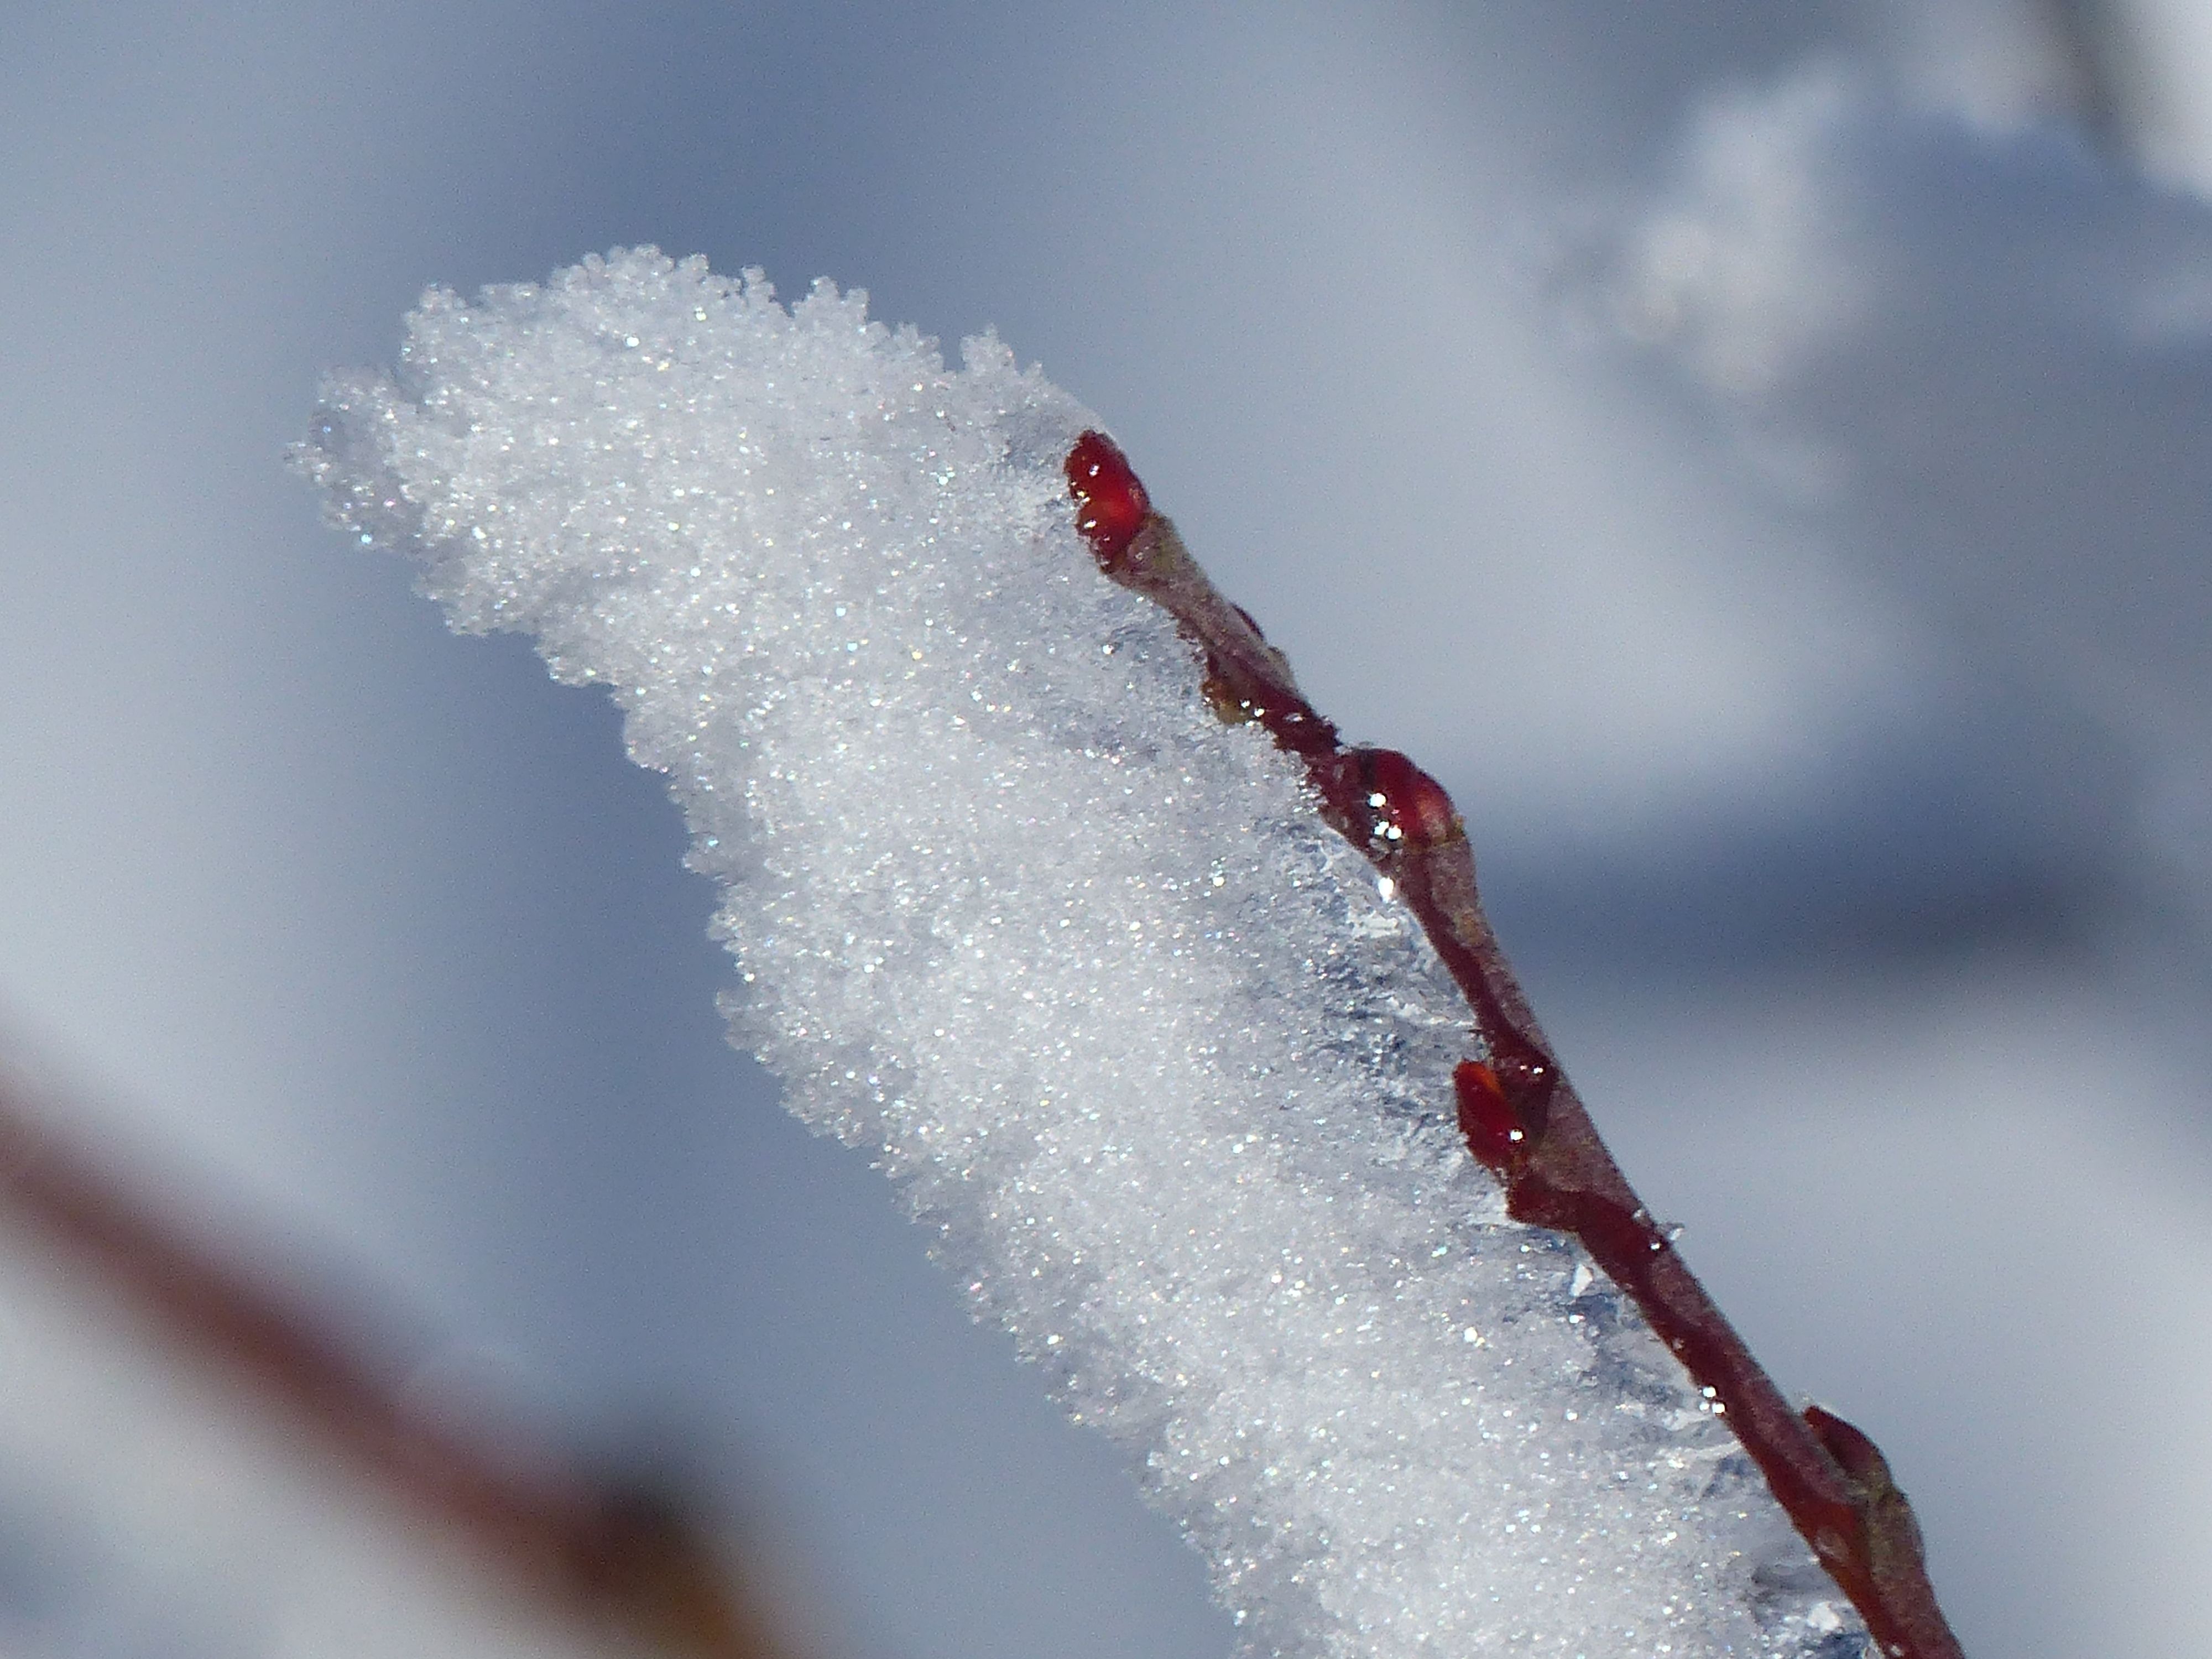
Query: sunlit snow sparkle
x=1134 y=1031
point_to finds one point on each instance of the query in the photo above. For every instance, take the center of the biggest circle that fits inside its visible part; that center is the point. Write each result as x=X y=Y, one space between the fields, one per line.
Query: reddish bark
x=1521 y=1116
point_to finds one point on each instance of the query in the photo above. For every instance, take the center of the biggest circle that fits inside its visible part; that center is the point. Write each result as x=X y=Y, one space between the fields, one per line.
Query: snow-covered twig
x=1522 y=1117
x=1079 y=929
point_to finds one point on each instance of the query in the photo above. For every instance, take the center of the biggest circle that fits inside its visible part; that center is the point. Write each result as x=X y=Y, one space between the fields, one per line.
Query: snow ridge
x=1133 y=1029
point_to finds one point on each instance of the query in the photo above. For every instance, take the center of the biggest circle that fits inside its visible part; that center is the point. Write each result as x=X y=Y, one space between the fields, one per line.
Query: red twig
x=1519 y=1114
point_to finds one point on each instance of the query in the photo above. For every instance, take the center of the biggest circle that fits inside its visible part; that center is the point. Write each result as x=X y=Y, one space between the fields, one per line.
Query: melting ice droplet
x=846 y=602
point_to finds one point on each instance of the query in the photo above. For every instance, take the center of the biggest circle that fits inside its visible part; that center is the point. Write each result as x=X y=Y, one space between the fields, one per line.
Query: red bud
x=1411 y=808
x=1110 y=504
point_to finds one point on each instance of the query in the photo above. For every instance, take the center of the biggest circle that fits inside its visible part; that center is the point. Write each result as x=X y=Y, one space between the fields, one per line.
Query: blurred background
x=1754 y=454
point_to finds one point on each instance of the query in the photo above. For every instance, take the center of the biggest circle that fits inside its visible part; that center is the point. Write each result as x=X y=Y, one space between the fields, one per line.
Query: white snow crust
x=1134 y=1030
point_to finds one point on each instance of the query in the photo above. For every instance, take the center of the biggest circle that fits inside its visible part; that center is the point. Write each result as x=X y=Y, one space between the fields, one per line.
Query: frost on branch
x=1082 y=965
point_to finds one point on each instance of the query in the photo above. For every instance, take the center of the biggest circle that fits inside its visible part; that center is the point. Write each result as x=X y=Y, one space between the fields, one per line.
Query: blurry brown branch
x=627 y=1564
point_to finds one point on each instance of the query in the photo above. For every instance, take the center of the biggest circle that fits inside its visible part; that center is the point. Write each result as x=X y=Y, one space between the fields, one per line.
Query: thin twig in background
x=627 y=1563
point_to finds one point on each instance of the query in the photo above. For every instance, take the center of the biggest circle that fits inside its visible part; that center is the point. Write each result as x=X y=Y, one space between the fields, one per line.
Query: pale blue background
x=1836 y=752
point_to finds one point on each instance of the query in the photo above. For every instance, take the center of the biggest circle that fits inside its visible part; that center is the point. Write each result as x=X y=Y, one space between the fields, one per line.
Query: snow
x=1138 y=1036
